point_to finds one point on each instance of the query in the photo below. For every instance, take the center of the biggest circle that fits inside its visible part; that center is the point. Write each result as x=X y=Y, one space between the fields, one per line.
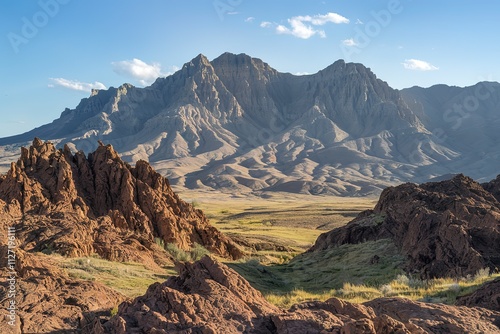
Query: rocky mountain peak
x=241 y=63
x=196 y=64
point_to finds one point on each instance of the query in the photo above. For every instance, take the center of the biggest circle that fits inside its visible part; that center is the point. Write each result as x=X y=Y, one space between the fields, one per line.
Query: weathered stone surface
x=208 y=297
x=47 y=299
x=446 y=229
x=436 y=318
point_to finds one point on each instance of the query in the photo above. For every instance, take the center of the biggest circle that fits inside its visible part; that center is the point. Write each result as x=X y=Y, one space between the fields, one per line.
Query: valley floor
x=275 y=232
x=279 y=229
x=279 y=226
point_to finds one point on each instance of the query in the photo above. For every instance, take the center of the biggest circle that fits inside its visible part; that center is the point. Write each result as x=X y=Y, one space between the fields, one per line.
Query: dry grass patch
x=131 y=279
x=443 y=290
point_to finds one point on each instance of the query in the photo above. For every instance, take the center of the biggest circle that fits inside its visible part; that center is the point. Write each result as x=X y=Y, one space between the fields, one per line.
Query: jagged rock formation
x=445 y=229
x=487 y=296
x=235 y=123
x=47 y=300
x=76 y=206
x=208 y=297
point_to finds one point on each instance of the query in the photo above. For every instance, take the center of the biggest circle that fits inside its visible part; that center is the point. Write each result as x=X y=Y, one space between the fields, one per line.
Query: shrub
x=114 y=311
x=386 y=290
x=454 y=288
x=403 y=280
x=195 y=254
x=177 y=253
x=160 y=242
x=198 y=251
x=482 y=274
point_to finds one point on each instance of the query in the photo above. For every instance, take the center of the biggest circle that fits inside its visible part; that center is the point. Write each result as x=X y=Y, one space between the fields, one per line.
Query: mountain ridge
x=237 y=124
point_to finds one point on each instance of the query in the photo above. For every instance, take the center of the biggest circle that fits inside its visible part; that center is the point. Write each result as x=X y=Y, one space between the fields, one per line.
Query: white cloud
x=358 y=21
x=76 y=85
x=319 y=20
x=305 y=26
x=349 y=42
x=418 y=65
x=250 y=19
x=144 y=73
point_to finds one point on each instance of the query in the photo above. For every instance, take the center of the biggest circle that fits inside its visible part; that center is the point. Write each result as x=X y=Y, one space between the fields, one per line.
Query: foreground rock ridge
x=445 y=229
x=209 y=297
x=76 y=205
x=237 y=124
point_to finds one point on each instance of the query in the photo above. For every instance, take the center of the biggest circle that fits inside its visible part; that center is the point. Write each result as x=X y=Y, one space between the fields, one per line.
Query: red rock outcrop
x=208 y=297
x=76 y=206
x=445 y=229
x=487 y=296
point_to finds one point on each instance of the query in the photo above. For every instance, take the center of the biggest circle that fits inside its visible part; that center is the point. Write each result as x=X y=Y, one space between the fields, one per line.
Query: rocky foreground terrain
x=76 y=205
x=208 y=297
x=488 y=296
x=48 y=300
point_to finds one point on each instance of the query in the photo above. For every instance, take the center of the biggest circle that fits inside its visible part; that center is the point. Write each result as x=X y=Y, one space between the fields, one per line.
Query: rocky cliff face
x=208 y=297
x=445 y=229
x=235 y=123
x=77 y=205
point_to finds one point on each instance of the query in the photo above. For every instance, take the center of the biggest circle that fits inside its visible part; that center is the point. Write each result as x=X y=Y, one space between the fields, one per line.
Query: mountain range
x=236 y=124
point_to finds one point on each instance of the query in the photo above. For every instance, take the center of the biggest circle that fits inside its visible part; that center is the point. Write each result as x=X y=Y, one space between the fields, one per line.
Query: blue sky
x=55 y=51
